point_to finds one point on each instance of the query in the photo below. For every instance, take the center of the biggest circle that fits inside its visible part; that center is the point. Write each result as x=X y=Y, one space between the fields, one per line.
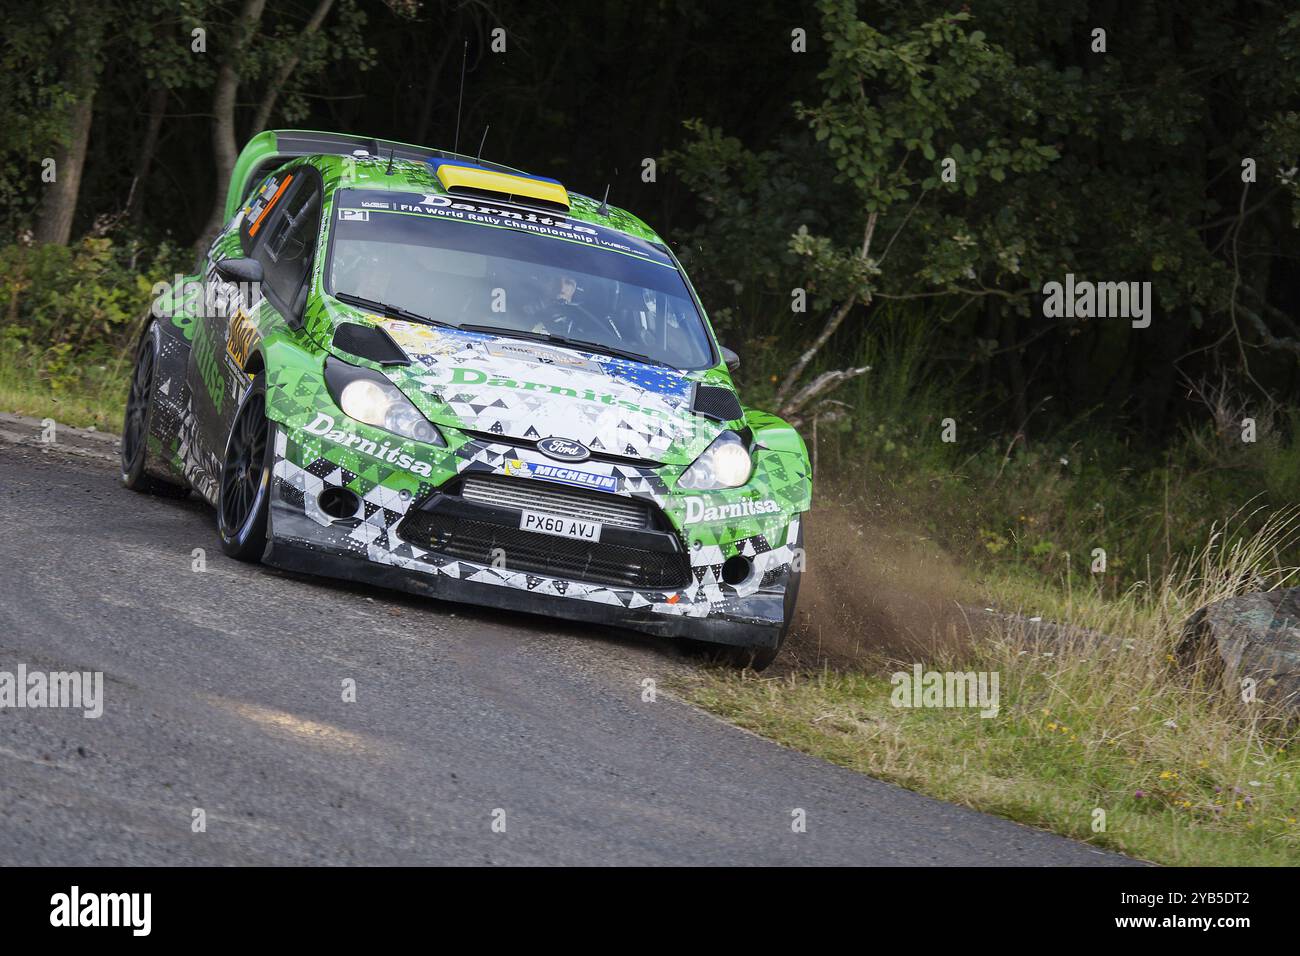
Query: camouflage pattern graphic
x=493 y=398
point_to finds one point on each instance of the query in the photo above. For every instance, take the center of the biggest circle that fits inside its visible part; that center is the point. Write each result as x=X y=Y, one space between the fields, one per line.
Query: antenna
x=391 y=153
x=603 y=208
x=481 y=142
x=460 y=99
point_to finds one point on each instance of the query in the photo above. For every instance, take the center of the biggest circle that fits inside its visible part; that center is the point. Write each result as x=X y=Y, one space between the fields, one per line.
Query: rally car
x=413 y=369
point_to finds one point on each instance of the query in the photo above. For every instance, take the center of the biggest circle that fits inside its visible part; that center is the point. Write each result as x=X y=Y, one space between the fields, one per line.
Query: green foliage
x=69 y=306
x=1042 y=507
x=157 y=35
x=749 y=204
x=1122 y=166
x=35 y=99
x=340 y=43
x=899 y=104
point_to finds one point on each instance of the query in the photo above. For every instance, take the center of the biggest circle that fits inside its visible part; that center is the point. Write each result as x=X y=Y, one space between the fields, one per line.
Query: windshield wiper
x=507 y=333
x=396 y=311
x=553 y=339
x=607 y=350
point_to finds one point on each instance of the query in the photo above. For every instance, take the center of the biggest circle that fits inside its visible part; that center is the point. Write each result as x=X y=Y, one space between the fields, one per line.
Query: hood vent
x=369 y=342
x=713 y=401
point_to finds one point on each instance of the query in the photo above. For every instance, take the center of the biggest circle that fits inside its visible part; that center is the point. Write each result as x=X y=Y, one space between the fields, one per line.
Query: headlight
x=724 y=464
x=368 y=397
x=366 y=401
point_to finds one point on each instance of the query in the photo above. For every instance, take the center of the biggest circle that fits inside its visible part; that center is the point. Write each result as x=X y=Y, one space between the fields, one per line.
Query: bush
x=1041 y=506
x=69 y=306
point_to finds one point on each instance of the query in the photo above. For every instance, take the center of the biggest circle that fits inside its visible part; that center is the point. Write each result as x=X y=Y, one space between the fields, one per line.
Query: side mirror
x=731 y=358
x=239 y=270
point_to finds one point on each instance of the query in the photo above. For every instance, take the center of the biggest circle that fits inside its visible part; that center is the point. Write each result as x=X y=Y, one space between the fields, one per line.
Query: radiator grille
x=634 y=561
x=596 y=563
x=533 y=495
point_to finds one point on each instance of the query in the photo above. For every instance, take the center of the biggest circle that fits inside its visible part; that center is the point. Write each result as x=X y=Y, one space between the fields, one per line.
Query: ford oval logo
x=561 y=449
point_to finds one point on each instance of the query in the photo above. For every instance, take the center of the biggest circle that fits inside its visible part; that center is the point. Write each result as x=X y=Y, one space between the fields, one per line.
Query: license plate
x=557 y=525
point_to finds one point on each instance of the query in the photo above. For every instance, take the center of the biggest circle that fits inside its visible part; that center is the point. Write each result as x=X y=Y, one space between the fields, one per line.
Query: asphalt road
x=223 y=691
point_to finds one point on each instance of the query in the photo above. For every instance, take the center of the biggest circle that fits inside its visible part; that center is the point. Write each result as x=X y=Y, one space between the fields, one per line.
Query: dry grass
x=1094 y=717
x=96 y=397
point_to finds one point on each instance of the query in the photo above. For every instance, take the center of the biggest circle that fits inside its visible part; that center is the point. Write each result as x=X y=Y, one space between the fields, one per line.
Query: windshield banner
x=359 y=205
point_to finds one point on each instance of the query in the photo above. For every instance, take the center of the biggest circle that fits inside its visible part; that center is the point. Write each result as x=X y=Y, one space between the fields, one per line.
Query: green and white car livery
x=406 y=367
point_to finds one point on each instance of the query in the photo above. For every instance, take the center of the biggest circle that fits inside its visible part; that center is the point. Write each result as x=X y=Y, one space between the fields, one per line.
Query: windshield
x=471 y=263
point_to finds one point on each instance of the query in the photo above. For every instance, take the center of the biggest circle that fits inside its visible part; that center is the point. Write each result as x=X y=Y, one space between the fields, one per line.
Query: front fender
x=295 y=381
x=782 y=453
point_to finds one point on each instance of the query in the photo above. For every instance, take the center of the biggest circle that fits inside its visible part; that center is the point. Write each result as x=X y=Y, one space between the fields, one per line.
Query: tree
x=77 y=53
x=979 y=168
x=158 y=43
x=225 y=150
x=288 y=63
x=287 y=55
x=891 y=99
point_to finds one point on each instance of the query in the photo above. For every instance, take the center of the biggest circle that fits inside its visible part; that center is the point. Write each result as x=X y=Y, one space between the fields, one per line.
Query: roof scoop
x=467 y=179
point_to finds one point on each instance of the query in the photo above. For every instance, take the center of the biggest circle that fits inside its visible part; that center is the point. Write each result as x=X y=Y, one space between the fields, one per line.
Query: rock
x=1251 y=636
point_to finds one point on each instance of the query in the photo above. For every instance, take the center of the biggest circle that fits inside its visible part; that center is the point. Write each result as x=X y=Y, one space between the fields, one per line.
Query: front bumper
x=368 y=548
x=760 y=626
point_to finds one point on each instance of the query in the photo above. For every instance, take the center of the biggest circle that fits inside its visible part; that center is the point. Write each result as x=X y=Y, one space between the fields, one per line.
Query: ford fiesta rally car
x=404 y=367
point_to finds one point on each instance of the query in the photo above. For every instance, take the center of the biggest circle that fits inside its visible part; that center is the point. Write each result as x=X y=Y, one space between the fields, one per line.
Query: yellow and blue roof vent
x=467 y=179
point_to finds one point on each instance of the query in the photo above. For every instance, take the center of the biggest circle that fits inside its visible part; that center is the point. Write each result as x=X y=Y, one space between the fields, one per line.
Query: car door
x=279 y=230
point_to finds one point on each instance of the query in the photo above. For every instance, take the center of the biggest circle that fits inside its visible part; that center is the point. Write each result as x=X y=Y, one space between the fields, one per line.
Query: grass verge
x=1104 y=740
x=96 y=395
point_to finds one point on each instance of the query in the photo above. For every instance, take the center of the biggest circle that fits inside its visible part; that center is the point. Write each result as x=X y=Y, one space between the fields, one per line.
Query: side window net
x=286 y=252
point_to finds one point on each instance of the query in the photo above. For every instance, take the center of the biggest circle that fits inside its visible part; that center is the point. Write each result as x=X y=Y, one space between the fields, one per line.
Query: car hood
x=521 y=389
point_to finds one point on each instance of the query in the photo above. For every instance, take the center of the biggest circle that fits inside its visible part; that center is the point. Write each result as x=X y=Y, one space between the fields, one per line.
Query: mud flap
x=171 y=401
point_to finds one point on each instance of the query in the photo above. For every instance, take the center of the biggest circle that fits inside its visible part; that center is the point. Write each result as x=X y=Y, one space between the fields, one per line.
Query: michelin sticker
x=561 y=475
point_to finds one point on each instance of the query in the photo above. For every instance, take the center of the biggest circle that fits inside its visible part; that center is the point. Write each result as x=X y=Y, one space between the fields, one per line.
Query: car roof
x=349 y=161
x=405 y=175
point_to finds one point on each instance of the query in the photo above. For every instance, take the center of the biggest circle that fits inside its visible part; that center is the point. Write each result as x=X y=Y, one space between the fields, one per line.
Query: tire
x=243 y=495
x=758 y=658
x=141 y=407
